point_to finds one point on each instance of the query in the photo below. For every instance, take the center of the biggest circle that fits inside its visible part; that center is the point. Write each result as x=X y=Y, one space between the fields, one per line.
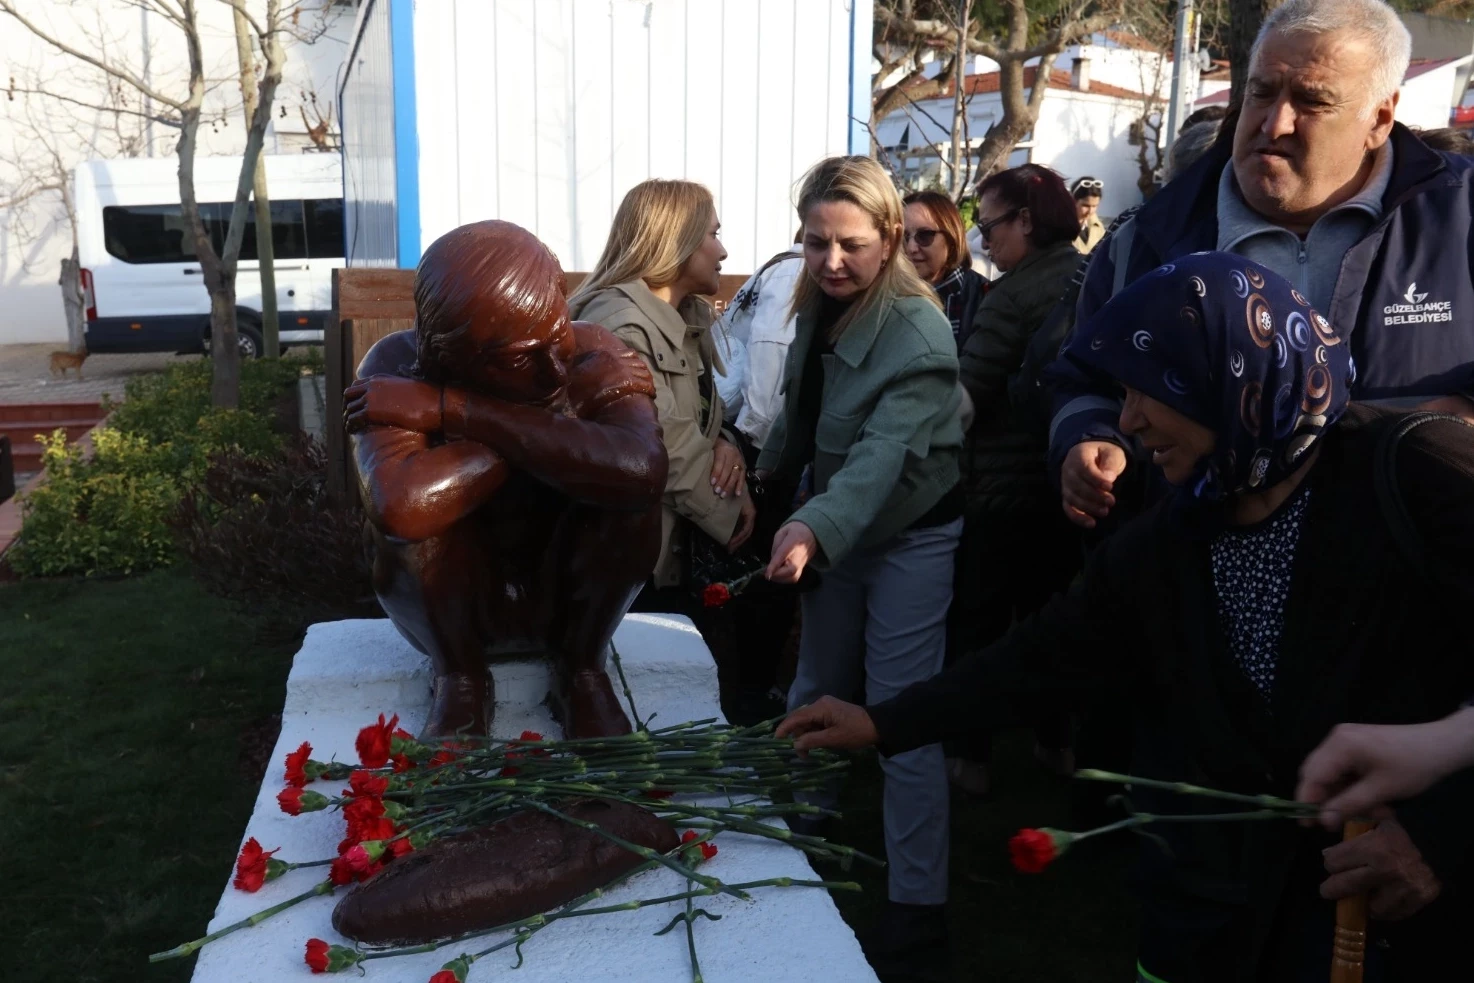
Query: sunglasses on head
x=1089 y=184
x=924 y=237
x=985 y=229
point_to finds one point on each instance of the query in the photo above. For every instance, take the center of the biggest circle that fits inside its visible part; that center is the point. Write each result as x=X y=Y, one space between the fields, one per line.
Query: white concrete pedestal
x=348 y=672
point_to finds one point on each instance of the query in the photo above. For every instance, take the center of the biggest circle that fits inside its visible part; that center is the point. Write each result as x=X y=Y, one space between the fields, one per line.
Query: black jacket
x=1366 y=639
x=1004 y=460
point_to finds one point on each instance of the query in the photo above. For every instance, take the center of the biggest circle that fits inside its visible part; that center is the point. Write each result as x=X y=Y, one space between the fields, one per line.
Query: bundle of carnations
x=705 y=779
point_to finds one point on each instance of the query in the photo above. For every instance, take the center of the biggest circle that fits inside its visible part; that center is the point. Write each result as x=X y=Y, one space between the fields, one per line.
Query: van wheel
x=248 y=339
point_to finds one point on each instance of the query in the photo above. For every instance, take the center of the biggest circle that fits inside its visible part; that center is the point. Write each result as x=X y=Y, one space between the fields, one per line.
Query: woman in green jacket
x=872 y=403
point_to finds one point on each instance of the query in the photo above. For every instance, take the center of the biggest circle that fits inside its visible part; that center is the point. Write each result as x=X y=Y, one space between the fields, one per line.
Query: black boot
x=908 y=943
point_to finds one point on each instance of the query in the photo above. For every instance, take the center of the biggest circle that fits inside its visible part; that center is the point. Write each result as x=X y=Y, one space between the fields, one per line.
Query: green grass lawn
x=123 y=792
x=132 y=724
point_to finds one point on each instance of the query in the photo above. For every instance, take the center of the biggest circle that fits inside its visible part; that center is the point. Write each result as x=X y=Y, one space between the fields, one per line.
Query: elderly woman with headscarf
x=1265 y=601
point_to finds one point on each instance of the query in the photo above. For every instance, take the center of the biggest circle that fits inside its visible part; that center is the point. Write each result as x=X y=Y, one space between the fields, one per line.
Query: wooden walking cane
x=1349 y=946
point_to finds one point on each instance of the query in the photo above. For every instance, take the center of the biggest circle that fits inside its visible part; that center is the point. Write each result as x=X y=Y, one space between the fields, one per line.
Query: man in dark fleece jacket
x=1323 y=187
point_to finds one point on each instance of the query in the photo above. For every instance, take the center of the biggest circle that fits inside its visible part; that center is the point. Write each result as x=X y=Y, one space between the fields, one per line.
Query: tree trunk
x=1244 y=19
x=72 y=301
x=264 y=250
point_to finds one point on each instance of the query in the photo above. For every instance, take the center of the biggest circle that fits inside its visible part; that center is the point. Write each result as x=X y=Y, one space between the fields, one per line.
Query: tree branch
x=8 y=7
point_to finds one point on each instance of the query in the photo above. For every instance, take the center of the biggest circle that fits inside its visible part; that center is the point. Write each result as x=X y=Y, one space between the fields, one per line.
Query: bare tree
x=186 y=110
x=51 y=137
x=906 y=28
x=265 y=253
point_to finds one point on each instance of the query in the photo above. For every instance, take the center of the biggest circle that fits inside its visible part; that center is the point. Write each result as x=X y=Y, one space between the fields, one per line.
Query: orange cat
x=61 y=361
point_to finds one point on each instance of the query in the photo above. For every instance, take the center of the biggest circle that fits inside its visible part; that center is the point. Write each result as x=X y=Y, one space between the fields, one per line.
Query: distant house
x=1085 y=126
x=1431 y=91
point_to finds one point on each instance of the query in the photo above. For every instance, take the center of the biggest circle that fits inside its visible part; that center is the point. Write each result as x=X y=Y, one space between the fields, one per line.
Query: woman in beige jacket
x=663 y=253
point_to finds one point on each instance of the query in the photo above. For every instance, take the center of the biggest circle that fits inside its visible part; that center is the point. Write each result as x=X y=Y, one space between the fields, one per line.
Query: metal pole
x=1182 y=50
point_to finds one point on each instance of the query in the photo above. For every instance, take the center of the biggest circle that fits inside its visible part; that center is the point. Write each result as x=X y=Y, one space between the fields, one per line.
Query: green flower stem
x=308 y=863
x=179 y=951
x=641 y=851
x=809 y=844
x=629 y=697
x=691 y=941
x=1183 y=788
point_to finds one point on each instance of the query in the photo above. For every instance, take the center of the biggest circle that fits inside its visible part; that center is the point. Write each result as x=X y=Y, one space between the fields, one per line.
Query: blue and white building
x=545 y=112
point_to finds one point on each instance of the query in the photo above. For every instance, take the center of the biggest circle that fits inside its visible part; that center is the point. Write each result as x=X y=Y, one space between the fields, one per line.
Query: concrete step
x=18 y=412
x=23 y=444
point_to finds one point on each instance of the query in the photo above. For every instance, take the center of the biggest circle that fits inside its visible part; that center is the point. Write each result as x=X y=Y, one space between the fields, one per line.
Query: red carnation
x=295 y=801
x=324 y=958
x=296 y=761
x=715 y=595
x=530 y=735
x=1031 y=850
x=362 y=809
x=708 y=850
x=374 y=742
x=340 y=873
x=399 y=846
x=317 y=955
x=445 y=976
x=250 y=866
x=367 y=783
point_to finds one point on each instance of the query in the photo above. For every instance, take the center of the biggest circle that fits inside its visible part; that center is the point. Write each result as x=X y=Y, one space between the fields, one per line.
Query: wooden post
x=1349 y=946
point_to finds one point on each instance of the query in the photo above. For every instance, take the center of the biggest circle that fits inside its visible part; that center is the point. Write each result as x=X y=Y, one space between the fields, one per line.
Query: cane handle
x=1349 y=946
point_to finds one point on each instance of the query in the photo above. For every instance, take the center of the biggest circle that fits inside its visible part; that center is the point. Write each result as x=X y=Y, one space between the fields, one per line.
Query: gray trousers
x=880 y=617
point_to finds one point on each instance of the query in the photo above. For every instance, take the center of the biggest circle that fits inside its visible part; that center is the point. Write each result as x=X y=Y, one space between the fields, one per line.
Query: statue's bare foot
x=589 y=708
x=461 y=704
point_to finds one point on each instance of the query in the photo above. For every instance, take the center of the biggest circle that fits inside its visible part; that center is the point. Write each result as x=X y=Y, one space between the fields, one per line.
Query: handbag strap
x=1405 y=534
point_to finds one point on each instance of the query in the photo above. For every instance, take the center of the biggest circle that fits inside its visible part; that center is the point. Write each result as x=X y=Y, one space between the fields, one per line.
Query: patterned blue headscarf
x=1234 y=347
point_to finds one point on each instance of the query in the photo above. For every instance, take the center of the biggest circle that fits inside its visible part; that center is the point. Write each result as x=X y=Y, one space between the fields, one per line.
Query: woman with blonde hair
x=663 y=253
x=872 y=403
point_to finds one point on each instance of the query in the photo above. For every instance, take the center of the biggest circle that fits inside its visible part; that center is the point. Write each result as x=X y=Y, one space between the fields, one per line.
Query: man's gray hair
x=1190 y=144
x=1370 y=20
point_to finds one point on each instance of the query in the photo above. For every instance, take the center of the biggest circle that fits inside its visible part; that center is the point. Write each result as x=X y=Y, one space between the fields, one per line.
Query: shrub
x=103 y=516
x=110 y=514
x=264 y=527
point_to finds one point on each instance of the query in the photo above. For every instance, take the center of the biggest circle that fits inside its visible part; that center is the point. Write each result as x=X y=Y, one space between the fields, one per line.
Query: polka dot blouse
x=1251 y=575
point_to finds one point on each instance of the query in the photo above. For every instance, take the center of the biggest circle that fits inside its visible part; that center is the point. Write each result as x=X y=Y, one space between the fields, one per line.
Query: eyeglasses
x=924 y=237
x=1089 y=184
x=985 y=229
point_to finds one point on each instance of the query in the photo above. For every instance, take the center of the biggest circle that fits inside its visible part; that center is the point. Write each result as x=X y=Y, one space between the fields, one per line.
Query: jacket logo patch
x=1417 y=309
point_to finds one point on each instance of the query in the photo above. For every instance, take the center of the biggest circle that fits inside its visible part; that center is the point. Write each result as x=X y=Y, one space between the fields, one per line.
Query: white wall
x=1078 y=133
x=34 y=238
x=546 y=113
x=1427 y=100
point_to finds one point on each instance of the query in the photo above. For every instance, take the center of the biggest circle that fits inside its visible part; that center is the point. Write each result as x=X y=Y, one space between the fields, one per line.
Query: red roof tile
x=987 y=82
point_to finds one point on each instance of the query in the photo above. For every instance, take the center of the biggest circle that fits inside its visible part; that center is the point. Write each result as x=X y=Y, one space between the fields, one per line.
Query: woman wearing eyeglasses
x=1016 y=550
x=936 y=244
x=1087 y=203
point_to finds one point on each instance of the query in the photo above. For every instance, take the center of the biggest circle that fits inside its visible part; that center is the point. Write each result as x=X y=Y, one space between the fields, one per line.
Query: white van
x=143 y=285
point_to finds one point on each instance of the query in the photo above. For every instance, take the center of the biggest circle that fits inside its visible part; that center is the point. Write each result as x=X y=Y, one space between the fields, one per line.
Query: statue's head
x=490 y=314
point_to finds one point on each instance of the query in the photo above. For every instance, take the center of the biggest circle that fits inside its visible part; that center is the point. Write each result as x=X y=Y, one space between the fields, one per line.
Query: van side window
x=288 y=237
x=147 y=234
x=158 y=233
x=324 y=228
